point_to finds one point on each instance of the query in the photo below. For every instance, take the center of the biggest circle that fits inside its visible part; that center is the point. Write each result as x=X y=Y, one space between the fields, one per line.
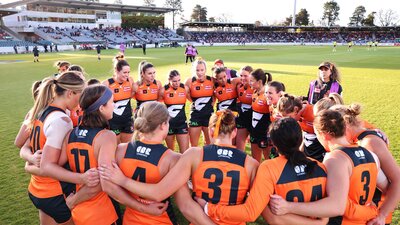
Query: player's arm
x=188 y=97
x=161 y=94
x=339 y=171
x=189 y=208
x=170 y=183
x=291 y=219
x=391 y=170
x=22 y=136
x=57 y=135
x=26 y=154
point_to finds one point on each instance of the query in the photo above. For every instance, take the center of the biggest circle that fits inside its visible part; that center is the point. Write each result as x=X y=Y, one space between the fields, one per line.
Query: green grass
x=368 y=77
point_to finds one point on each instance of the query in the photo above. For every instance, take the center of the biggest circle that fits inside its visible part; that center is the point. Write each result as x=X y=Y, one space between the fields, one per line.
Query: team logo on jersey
x=300 y=170
x=82 y=133
x=119 y=107
x=200 y=103
x=116 y=90
x=225 y=104
x=241 y=94
x=143 y=151
x=174 y=110
x=220 y=92
x=256 y=118
x=245 y=107
x=197 y=88
x=360 y=154
x=225 y=153
x=144 y=91
x=171 y=95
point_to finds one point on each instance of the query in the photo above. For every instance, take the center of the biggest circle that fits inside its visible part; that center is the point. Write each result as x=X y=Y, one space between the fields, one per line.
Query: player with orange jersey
x=243 y=121
x=147 y=88
x=121 y=84
x=260 y=115
x=201 y=90
x=175 y=95
x=225 y=90
x=50 y=124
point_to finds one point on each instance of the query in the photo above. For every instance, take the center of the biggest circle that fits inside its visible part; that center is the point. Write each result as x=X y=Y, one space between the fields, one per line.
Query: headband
x=218 y=123
x=100 y=101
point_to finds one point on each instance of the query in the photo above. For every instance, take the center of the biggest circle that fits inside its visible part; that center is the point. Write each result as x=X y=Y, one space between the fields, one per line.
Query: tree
x=288 y=21
x=258 y=23
x=331 y=13
x=177 y=5
x=302 y=18
x=199 y=14
x=369 y=21
x=387 y=18
x=211 y=19
x=148 y=2
x=357 y=18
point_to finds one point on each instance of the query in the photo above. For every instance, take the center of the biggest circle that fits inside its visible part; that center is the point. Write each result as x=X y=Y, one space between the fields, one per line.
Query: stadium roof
x=210 y=24
x=89 y=5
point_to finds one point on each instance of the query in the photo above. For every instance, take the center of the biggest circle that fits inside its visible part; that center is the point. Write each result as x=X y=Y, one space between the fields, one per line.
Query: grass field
x=371 y=78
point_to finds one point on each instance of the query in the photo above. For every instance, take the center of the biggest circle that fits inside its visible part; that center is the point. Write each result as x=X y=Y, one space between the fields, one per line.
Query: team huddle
x=89 y=151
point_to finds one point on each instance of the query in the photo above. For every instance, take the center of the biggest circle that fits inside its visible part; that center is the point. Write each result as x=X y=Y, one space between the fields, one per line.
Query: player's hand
x=112 y=173
x=91 y=177
x=383 y=135
x=201 y=202
x=70 y=201
x=36 y=157
x=155 y=209
x=278 y=205
x=379 y=220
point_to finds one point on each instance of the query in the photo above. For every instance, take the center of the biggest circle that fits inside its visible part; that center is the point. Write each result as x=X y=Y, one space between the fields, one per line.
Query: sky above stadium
x=271 y=11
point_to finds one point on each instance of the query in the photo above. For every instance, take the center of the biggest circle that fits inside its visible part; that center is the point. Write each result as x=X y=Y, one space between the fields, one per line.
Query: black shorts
x=183 y=129
x=36 y=55
x=122 y=128
x=55 y=207
x=199 y=122
x=243 y=122
x=261 y=140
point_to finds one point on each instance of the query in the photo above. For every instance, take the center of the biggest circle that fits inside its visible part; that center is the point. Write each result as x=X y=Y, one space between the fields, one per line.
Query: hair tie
x=100 y=101
x=218 y=123
x=55 y=81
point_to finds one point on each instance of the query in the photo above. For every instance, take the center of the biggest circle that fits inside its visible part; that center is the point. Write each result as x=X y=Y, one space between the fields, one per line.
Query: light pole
x=294 y=14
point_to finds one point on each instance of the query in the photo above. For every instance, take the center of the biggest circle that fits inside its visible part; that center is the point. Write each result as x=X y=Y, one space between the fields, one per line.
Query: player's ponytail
x=223 y=122
x=51 y=88
x=286 y=136
x=259 y=74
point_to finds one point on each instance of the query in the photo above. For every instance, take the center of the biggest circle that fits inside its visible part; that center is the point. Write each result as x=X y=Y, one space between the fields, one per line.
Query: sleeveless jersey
x=221 y=177
x=146 y=93
x=98 y=210
x=141 y=163
x=260 y=118
x=362 y=180
x=379 y=197
x=276 y=176
x=42 y=187
x=175 y=100
x=274 y=115
x=122 y=93
x=201 y=94
x=226 y=95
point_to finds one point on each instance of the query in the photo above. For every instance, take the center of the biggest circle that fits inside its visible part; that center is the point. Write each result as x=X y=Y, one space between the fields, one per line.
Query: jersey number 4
x=215 y=186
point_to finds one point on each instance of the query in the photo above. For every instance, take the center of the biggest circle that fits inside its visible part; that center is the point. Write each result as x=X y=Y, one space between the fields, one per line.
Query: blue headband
x=100 y=101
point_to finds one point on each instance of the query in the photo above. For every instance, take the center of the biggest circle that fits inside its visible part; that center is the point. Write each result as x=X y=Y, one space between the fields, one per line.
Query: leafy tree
x=369 y=21
x=211 y=19
x=177 y=5
x=199 y=14
x=331 y=13
x=302 y=18
x=288 y=21
x=258 y=23
x=357 y=18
